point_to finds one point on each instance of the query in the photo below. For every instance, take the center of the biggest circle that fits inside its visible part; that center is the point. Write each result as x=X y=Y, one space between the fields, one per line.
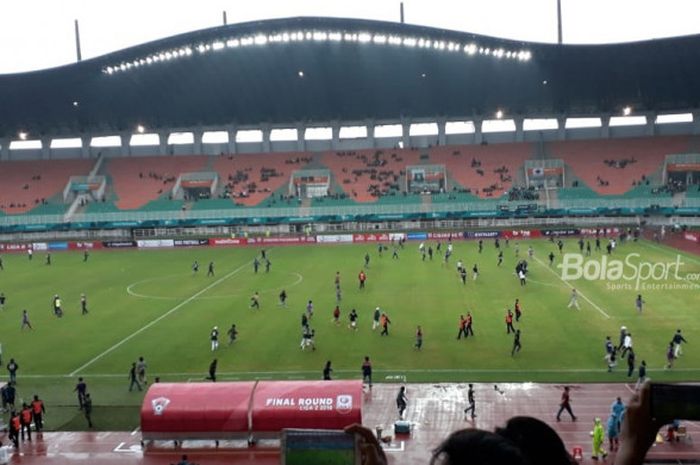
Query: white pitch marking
x=153 y=322
x=572 y=287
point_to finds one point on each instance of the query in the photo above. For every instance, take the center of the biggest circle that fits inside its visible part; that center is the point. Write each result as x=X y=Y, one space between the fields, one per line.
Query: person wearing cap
x=623 y=333
x=598 y=437
x=214 y=337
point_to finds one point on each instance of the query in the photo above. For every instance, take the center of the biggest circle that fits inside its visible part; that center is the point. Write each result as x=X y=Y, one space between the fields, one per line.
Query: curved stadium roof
x=247 y=74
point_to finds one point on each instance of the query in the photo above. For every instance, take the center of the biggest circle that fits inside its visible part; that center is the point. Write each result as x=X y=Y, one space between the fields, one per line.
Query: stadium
x=455 y=209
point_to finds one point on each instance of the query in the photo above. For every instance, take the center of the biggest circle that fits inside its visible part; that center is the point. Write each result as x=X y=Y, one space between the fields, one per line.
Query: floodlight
x=75 y=103
x=364 y=37
x=149 y=60
x=22 y=135
x=627 y=110
x=499 y=114
x=260 y=40
x=410 y=42
x=379 y=39
x=470 y=49
x=140 y=129
x=300 y=73
x=422 y=75
x=110 y=70
x=285 y=37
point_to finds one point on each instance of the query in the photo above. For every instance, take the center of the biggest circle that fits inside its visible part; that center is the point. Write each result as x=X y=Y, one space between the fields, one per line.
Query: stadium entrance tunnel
x=247 y=410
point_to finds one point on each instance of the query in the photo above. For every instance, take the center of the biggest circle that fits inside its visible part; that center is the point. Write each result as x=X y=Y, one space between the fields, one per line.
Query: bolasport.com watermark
x=629 y=273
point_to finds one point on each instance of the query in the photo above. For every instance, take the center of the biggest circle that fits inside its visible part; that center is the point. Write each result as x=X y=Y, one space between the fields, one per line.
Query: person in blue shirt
x=613 y=431
x=617 y=409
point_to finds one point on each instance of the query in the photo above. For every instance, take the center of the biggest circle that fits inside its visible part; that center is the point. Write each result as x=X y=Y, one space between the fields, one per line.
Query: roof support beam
x=442 y=137
x=45 y=148
x=232 y=148
x=5 y=149
x=85 y=146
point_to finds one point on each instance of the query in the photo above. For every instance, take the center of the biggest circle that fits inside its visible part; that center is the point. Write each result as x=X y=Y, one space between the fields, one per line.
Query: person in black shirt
x=500 y=257
x=283 y=298
x=133 y=379
x=642 y=375
x=2 y=301
x=87 y=409
x=551 y=258
x=516 y=343
x=367 y=372
x=463 y=275
x=212 y=371
x=630 y=363
x=472 y=403
x=12 y=368
x=327 y=370
x=256 y=264
x=83 y=304
x=401 y=401
x=86 y=255
x=81 y=389
x=210 y=272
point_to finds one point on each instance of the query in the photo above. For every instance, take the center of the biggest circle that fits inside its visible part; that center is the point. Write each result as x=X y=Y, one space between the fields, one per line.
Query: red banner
x=380 y=237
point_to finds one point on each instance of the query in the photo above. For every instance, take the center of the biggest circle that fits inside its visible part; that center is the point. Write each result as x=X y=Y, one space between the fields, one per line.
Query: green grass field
x=148 y=303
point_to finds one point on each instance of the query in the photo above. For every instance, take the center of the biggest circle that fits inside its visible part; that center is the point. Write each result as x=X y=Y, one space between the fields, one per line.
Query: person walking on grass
x=565 y=404
x=133 y=378
x=12 y=368
x=327 y=370
x=141 y=366
x=642 y=375
x=678 y=339
x=516 y=343
x=81 y=389
x=573 y=300
x=25 y=321
x=419 y=338
x=38 y=411
x=87 y=409
x=212 y=371
x=367 y=372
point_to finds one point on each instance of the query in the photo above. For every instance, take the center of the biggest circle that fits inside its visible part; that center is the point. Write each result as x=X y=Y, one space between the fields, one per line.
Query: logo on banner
x=159 y=405
x=343 y=403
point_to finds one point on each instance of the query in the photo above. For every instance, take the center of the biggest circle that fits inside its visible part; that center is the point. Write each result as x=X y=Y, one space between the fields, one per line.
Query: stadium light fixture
x=75 y=103
x=22 y=135
x=499 y=114
x=365 y=37
x=140 y=129
x=300 y=73
x=627 y=111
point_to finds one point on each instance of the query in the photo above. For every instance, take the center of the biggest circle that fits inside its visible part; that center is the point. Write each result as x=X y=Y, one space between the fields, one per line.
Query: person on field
x=212 y=371
x=81 y=389
x=133 y=378
x=367 y=372
x=87 y=409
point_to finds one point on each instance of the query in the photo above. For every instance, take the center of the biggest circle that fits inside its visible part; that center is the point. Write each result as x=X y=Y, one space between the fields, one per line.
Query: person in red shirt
x=509 y=322
x=565 y=405
x=462 y=327
x=336 y=315
x=518 y=310
x=26 y=421
x=38 y=411
x=15 y=426
x=468 y=329
x=362 y=277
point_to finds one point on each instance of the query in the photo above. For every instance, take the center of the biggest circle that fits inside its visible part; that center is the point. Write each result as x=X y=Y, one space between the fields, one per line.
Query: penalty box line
x=163 y=316
x=602 y=312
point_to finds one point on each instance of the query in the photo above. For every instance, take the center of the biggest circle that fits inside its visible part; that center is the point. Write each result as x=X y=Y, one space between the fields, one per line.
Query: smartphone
x=319 y=447
x=675 y=402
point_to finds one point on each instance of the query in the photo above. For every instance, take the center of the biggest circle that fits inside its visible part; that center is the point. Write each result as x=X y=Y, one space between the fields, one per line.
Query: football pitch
x=150 y=303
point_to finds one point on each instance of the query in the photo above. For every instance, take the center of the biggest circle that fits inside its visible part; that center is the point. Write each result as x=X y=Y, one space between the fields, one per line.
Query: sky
x=38 y=34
